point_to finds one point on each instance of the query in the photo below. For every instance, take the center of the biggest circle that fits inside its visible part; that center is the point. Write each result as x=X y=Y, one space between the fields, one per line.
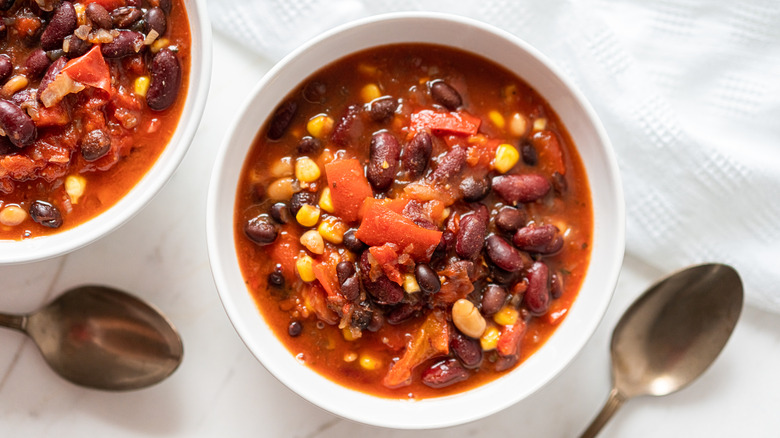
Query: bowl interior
x=585 y=130
x=200 y=77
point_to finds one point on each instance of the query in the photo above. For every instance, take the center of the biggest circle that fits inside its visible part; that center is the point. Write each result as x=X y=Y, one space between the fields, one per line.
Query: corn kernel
x=15 y=84
x=160 y=44
x=281 y=168
x=497 y=119
x=326 y=201
x=370 y=92
x=410 y=284
x=506 y=316
x=332 y=230
x=305 y=268
x=350 y=357
x=306 y=170
x=351 y=333
x=518 y=125
x=368 y=362
x=367 y=69
x=308 y=215
x=12 y=215
x=489 y=339
x=319 y=126
x=74 y=187
x=312 y=241
x=281 y=190
x=506 y=157
x=540 y=124
x=141 y=85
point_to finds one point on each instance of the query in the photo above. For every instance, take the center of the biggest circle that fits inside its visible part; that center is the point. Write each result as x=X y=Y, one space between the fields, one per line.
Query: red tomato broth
x=108 y=179
x=402 y=71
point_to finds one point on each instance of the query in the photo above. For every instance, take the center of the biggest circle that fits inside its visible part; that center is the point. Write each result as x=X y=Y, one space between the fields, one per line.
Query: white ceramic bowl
x=41 y=248
x=588 y=135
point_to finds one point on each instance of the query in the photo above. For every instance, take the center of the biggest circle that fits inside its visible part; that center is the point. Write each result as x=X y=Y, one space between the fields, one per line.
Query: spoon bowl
x=103 y=338
x=671 y=334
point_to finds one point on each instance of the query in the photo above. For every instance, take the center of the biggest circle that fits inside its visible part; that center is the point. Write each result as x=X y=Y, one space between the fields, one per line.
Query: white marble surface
x=221 y=390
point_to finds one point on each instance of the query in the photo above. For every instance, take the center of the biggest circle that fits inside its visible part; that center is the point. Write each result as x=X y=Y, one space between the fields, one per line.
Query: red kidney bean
x=6 y=68
x=444 y=373
x=18 y=126
x=344 y=270
x=382 y=109
x=45 y=214
x=127 y=43
x=556 y=285
x=62 y=23
x=471 y=234
x=468 y=350
x=3 y=30
x=427 y=279
x=504 y=255
x=308 y=145
x=537 y=296
x=474 y=189
x=155 y=20
x=260 y=230
x=510 y=219
x=416 y=154
x=383 y=160
x=542 y=239
x=6 y=5
x=351 y=288
x=447 y=241
x=559 y=183
x=166 y=80
x=445 y=95
x=95 y=145
x=528 y=152
x=352 y=243
x=51 y=73
x=500 y=276
x=281 y=119
x=450 y=164
x=165 y=5
x=36 y=64
x=6 y=147
x=125 y=17
x=493 y=299
x=520 y=188
x=77 y=46
x=342 y=132
x=99 y=16
x=504 y=363
x=403 y=312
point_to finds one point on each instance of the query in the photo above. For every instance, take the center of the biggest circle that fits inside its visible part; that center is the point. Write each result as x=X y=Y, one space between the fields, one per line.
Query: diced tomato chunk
x=458 y=123
x=348 y=187
x=550 y=154
x=382 y=225
x=89 y=69
x=110 y=5
x=430 y=340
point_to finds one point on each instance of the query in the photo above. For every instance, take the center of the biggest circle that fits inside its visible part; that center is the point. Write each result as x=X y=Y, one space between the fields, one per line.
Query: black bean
x=402 y=312
x=444 y=373
x=377 y=322
x=95 y=145
x=315 y=92
x=3 y=30
x=294 y=329
x=18 y=126
x=351 y=288
x=344 y=270
x=471 y=234
x=276 y=279
x=382 y=109
x=6 y=68
x=62 y=23
x=556 y=285
x=127 y=43
x=155 y=20
x=299 y=199
x=528 y=152
x=416 y=154
x=542 y=239
x=281 y=119
x=36 y=64
x=493 y=299
x=76 y=46
x=260 y=230
x=361 y=317
x=343 y=134
x=427 y=279
x=445 y=244
x=6 y=5
x=521 y=188
x=308 y=145
x=450 y=164
x=99 y=16
x=474 y=189
x=166 y=80
x=45 y=214
x=500 y=276
x=510 y=219
x=504 y=255
x=383 y=160
x=445 y=95
x=383 y=290
x=125 y=17
x=165 y=5
x=537 y=296
x=280 y=213
x=352 y=243
x=468 y=350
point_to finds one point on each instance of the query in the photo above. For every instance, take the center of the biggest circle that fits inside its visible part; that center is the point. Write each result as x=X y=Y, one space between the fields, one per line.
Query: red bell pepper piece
x=90 y=69
x=387 y=258
x=326 y=274
x=348 y=187
x=431 y=340
x=510 y=338
x=458 y=123
x=382 y=225
x=110 y=5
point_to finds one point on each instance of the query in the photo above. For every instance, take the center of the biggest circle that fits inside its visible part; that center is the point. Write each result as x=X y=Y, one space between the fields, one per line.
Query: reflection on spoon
x=103 y=338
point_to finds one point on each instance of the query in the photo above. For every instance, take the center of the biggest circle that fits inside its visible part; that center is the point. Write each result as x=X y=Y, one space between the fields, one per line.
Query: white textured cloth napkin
x=689 y=91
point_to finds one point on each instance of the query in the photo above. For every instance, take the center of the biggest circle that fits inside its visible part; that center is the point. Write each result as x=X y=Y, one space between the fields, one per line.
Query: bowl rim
x=151 y=183
x=220 y=262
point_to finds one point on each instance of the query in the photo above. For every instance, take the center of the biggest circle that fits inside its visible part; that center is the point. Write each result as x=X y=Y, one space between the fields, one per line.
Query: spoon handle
x=16 y=322
x=615 y=400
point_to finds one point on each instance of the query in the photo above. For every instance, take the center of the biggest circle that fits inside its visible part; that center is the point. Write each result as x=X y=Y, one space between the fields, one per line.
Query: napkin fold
x=688 y=90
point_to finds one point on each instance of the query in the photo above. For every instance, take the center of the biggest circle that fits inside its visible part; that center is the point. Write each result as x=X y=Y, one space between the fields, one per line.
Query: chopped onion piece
x=82 y=32
x=153 y=34
x=61 y=86
x=101 y=36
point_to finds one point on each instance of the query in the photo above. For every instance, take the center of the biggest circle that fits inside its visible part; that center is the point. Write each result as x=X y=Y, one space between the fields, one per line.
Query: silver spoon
x=103 y=338
x=671 y=335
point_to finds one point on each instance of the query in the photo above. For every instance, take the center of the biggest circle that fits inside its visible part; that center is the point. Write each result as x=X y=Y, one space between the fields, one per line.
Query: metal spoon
x=103 y=338
x=671 y=335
